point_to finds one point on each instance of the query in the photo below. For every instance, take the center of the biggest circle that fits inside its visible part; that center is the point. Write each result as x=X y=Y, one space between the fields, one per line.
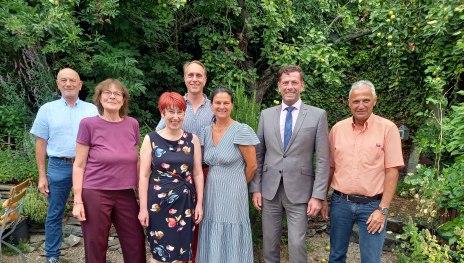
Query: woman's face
x=173 y=117
x=222 y=105
x=112 y=99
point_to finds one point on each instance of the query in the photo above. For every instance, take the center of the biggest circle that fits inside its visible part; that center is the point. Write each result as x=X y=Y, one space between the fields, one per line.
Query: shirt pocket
x=373 y=153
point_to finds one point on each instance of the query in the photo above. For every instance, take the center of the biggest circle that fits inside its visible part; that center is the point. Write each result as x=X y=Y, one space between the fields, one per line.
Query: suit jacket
x=302 y=176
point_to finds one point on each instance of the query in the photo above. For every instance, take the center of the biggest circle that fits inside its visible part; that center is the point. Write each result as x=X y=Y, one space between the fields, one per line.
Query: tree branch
x=262 y=85
x=191 y=22
x=354 y=35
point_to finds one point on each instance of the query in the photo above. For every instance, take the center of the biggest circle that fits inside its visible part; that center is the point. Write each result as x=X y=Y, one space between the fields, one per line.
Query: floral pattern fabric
x=171 y=198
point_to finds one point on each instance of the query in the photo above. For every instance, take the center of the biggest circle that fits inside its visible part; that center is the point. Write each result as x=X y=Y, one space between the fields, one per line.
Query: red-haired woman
x=169 y=159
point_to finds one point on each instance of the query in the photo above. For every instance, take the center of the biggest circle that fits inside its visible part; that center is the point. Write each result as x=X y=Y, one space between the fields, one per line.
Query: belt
x=66 y=159
x=359 y=198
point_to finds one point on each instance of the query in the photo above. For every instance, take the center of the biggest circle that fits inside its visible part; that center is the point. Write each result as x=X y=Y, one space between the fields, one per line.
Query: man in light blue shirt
x=55 y=129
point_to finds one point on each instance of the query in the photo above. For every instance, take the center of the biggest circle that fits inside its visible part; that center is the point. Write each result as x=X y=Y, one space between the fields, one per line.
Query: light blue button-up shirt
x=57 y=123
x=194 y=121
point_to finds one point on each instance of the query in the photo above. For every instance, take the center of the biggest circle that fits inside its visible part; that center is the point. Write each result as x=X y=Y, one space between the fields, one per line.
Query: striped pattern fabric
x=194 y=121
x=225 y=232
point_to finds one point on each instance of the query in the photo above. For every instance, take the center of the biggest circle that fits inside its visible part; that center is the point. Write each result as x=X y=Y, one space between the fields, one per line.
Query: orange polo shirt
x=361 y=157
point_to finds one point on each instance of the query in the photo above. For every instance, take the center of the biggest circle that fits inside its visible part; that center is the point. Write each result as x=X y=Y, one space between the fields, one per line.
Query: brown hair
x=105 y=85
x=289 y=69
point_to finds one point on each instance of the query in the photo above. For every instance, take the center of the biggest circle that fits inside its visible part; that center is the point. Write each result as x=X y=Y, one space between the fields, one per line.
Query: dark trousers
x=197 y=228
x=117 y=207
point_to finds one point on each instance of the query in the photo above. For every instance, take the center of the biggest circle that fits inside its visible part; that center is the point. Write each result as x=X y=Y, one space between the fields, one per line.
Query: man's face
x=362 y=103
x=195 y=78
x=69 y=83
x=290 y=86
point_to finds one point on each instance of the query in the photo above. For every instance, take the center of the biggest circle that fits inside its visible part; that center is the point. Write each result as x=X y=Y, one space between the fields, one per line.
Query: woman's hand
x=79 y=211
x=198 y=213
x=143 y=217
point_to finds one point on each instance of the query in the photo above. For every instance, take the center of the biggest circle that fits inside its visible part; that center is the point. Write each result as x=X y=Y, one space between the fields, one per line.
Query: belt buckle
x=348 y=198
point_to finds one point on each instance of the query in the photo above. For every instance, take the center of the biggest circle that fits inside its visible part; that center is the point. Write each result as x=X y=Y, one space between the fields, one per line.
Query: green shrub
x=421 y=246
x=35 y=205
x=17 y=166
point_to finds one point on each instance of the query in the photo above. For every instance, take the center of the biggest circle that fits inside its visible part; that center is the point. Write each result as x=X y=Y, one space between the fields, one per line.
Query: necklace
x=224 y=127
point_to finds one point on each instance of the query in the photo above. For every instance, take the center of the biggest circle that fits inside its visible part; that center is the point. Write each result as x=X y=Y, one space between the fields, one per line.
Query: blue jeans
x=343 y=215
x=59 y=175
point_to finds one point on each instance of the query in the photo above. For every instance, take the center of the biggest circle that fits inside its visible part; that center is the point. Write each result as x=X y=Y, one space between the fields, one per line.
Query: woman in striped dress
x=229 y=150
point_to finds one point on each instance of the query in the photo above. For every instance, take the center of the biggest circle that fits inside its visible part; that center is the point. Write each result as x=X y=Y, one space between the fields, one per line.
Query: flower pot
x=21 y=232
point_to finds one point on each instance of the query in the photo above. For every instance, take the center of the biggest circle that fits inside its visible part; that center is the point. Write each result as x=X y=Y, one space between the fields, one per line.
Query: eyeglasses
x=174 y=112
x=108 y=93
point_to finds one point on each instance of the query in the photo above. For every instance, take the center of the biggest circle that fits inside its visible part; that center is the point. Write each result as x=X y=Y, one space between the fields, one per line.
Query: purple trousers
x=117 y=207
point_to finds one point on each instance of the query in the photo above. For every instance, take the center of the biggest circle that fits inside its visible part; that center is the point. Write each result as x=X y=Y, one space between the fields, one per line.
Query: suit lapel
x=299 y=121
x=276 y=123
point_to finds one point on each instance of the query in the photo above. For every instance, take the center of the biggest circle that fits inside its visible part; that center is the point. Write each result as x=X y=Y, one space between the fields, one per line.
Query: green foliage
x=440 y=187
x=24 y=87
x=23 y=246
x=35 y=206
x=16 y=166
x=455 y=128
x=246 y=110
x=453 y=231
x=421 y=246
x=410 y=49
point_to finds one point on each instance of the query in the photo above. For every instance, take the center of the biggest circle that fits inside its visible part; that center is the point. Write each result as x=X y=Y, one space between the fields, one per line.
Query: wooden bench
x=13 y=206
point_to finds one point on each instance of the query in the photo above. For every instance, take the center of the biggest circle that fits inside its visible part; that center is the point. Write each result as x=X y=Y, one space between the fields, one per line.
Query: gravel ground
x=316 y=247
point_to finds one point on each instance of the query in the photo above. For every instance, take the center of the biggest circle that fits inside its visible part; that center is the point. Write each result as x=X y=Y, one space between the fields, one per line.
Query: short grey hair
x=361 y=84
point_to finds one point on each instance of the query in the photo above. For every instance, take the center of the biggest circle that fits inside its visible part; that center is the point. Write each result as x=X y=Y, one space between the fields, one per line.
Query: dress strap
x=151 y=135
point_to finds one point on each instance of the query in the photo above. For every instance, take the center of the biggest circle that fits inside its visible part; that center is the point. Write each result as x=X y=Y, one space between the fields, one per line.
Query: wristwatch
x=384 y=210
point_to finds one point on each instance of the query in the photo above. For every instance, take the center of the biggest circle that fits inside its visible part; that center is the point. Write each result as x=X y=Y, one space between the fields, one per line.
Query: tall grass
x=246 y=110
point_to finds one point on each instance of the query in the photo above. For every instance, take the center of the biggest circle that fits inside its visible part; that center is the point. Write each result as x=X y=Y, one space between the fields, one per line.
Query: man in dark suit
x=287 y=178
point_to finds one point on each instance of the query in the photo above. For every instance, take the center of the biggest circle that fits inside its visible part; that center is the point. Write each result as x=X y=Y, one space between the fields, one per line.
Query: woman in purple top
x=105 y=176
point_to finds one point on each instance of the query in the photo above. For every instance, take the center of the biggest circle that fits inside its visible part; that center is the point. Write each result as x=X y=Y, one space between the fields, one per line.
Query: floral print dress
x=171 y=198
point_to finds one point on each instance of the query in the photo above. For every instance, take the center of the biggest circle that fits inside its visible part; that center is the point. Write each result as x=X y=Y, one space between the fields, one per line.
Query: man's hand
x=376 y=222
x=325 y=210
x=43 y=186
x=314 y=206
x=257 y=200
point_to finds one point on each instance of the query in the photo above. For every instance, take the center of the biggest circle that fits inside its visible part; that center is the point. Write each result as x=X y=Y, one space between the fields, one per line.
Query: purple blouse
x=113 y=154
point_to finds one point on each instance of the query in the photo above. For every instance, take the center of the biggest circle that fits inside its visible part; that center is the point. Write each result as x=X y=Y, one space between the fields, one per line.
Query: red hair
x=171 y=100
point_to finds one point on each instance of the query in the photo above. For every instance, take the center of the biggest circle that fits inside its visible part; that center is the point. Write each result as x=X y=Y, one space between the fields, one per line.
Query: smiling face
x=222 y=105
x=195 y=78
x=112 y=98
x=173 y=117
x=362 y=103
x=69 y=84
x=290 y=86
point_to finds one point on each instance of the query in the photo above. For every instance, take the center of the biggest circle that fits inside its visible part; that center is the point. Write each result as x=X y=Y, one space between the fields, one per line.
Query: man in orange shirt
x=366 y=156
